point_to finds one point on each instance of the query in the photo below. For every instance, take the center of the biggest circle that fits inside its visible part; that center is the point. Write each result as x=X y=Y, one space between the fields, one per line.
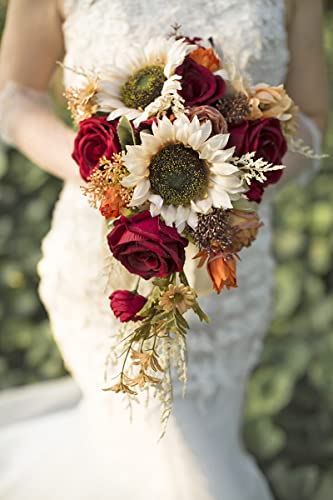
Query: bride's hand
x=31 y=46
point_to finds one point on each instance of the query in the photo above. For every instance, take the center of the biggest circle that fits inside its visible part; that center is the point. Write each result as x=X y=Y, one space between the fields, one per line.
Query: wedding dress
x=92 y=451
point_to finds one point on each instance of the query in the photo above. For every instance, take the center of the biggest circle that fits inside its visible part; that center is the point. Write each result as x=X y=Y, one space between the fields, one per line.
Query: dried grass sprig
x=297 y=145
x=254 y=169
x=108 y=174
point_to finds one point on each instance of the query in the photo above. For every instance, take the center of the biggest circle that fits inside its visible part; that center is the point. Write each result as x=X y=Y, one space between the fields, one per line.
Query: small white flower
x=182 y=171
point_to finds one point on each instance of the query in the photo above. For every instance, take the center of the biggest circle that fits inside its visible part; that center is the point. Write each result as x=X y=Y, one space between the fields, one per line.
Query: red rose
x=97 y=137
x=125 y=305
x=146 y=246
x=266 y=138
x=256 y=190
x=199 y=84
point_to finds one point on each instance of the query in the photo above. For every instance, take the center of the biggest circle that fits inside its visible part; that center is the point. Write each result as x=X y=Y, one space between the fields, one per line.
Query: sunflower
x=182 y=171
x=143 y=83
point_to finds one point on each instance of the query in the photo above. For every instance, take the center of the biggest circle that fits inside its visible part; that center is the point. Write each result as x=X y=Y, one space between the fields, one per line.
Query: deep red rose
x=146 y=246
x=125 y=305
x=266 y=138
x=96 y=137
x=199 y=84
x=256 y=190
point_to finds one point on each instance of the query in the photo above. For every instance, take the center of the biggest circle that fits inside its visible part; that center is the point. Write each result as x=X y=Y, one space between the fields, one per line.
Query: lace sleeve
x=314 y=141
x=30 y=47
x=28 y=123
x=16 y=99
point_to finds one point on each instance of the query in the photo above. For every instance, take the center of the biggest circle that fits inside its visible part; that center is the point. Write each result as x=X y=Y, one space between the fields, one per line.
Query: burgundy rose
x=267 y=139
x=125 y=305
x=256 y=190
x=146 y=246
x=97 y=137
x=199 y=84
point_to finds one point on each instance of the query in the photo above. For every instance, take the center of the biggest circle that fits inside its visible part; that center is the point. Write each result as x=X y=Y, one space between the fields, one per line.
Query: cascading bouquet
x=176 y=148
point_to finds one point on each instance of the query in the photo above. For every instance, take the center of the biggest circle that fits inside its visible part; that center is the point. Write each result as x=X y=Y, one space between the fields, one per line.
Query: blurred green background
x=289 y=416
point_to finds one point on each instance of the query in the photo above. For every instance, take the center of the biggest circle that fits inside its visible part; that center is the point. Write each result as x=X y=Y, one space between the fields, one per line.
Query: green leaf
x=160 y=317
x=147 y=309
x=244 y=204
x=181 y=320
x=200 y=313
x=125 y=133
x=183 y=279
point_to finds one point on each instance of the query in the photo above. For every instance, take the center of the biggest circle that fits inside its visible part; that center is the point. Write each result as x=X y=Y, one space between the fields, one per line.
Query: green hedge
x=289 y=416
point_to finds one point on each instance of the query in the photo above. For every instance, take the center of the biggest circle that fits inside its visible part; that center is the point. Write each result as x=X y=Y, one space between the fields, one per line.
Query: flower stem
x=137 y=286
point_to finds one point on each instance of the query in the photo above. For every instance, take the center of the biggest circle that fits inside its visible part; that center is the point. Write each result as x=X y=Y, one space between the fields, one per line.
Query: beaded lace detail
x=74 y=283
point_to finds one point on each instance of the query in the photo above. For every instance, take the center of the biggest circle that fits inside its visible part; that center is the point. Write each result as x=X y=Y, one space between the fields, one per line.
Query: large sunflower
x=142 y=83
x=182 y=171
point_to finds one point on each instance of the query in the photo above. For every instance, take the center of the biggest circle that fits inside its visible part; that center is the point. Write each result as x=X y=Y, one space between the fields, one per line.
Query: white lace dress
x=93 y=451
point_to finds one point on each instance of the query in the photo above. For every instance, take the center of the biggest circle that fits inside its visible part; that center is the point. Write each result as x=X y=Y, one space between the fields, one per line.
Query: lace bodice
x=74 y=285
x=95 y=28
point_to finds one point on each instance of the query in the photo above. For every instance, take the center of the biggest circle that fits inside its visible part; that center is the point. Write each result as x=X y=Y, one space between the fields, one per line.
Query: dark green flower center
x=143 y=87
x=178 y=297
x=178 y=175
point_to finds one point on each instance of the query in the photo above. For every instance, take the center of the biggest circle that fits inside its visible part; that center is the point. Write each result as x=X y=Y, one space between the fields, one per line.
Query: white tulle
x=92 y=451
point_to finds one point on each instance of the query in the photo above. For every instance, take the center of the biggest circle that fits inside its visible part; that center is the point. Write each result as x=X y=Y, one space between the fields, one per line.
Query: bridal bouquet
x=176 y=149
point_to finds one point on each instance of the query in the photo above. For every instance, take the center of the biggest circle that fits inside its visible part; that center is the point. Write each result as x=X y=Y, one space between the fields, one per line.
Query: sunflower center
x=177 y=174
x=143 y=87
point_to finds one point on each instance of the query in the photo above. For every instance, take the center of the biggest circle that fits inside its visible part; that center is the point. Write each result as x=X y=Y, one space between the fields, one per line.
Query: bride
x=92 y=450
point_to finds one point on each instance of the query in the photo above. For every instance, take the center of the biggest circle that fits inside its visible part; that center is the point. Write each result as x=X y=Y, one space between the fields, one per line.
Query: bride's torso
x=75 y=284
x=252 y=32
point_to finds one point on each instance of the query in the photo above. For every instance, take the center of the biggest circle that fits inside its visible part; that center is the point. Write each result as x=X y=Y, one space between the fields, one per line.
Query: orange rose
x=112 y=203
x=207 y=58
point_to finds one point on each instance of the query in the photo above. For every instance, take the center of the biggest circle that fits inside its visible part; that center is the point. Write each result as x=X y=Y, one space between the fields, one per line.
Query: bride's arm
x=307 y=79
x=32 y=44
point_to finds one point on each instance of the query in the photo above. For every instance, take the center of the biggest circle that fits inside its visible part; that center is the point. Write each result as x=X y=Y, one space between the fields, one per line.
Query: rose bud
x=112 y=202
x=244 y=228
x=205 y=113
x=125 y=305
